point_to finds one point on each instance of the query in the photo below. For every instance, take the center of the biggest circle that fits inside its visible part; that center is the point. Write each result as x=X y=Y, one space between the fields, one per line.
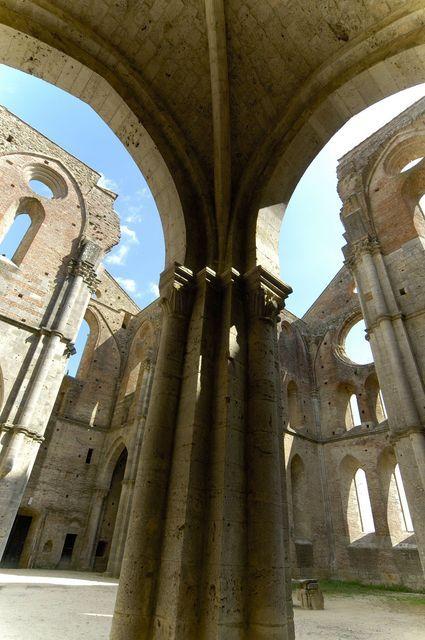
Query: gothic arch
x=374 y=397
x=111 y=458
x=397 y=510
x=301 y=515
x=35 y=210
x=328 y=100
x=355 y=499
x=92 y=341
x=181 y=195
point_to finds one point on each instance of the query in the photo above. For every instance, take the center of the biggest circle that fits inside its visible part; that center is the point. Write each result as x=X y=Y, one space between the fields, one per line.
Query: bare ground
x=42 y=605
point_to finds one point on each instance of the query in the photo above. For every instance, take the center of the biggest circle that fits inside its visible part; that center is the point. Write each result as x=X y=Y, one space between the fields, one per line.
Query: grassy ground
x=400 y=593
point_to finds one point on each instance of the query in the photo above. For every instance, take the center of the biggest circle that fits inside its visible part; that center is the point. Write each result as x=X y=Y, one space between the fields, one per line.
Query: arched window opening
x=294 y=413
x=107 y=524
x=300 y=512
x=14 y=237
x=363 y=501
x=356 y=500
x=382 y=408
x=400 y=526
x=41 y=189
x=80 y=344
x=310 y=274
x=375 y=399
x=407 y=519
x=355 y=345
x=352 y=414
x=411 y=164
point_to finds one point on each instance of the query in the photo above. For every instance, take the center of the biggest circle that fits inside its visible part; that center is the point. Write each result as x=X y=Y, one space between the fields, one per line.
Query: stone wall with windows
x=346 y=515
x=348 y=511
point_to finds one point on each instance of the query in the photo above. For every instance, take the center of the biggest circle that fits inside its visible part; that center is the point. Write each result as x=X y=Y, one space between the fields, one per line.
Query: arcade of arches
x=200 y=451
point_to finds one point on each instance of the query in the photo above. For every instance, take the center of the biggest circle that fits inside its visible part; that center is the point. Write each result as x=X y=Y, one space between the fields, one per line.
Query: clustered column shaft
x=205 y=554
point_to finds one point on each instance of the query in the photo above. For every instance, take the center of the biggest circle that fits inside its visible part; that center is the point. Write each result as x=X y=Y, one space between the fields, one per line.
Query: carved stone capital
x=354 y=252
x=176 y=287
x=265 y=293
x=86 y=271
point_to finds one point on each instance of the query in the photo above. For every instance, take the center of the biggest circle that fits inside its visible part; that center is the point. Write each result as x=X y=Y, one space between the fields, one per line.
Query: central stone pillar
x=268 y=566
x=206 y=550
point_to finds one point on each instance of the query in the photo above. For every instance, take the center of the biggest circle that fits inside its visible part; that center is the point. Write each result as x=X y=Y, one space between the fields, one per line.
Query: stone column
x=397 y=370
x=268 y=571
x=207 y=549
x=23 y=431
x=136 y=594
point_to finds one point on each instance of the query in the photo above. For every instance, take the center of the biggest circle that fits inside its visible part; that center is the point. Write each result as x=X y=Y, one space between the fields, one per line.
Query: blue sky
x=73 y=125
x=311 y=237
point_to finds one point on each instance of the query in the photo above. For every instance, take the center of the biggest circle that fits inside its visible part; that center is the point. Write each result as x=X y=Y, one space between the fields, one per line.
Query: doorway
x=16 y=542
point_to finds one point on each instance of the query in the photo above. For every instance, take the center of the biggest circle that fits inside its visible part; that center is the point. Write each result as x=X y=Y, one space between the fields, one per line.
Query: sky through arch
x=311 y=236
x=72 y=124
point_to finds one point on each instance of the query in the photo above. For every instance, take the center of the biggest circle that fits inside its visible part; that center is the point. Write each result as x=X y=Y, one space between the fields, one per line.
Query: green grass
x=341 y=586
x=349 y=588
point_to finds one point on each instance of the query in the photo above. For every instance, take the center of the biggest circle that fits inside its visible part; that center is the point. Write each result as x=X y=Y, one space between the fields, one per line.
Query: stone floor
x=42 y=605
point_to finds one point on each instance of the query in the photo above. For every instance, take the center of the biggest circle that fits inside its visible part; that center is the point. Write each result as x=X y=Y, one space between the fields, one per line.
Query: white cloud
x=133 y=218
x=119 y=256
x=107 y=183
x=153 y=288
x=134 y=214
x=128 y=283
x=130 y=233
x=143 y=192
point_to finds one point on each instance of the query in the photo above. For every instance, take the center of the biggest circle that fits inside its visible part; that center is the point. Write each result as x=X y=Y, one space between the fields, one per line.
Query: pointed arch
x=160 y=150
x=375 y=398
x=300 y=508
x=31 y=207
x=347 y=404
x=90 y=345
x=355 y=499
x=399 y=520
x=294 y=408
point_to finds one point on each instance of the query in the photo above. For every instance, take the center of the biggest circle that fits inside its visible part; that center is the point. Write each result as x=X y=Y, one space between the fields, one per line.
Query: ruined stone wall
x=324 y=450
x=70 y=488
x=44 y=289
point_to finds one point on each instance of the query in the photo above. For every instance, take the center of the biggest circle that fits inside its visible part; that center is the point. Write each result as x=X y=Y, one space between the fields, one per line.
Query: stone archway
x=33 y=56
x=326 y=112
x=110 y=509
x=210 y=476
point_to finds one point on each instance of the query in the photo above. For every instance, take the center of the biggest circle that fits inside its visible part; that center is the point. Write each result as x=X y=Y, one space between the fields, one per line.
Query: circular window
x=411 y=164
x=41 y=189
x=45 y=182
x=356 y=347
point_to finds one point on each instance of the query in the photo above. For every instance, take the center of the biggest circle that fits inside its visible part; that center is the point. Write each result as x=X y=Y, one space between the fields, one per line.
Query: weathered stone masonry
x=88 y=484
x=45 y=290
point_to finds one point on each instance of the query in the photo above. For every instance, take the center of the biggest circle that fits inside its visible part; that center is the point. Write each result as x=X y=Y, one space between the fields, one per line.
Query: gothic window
x=14 y=237
x=404 y=507
x=355 y=499
x=75 y=361
x=352 y=414
x=363 y=502
x=375 y=399
x=294 y=413
x=18 y=228
x=301 y=517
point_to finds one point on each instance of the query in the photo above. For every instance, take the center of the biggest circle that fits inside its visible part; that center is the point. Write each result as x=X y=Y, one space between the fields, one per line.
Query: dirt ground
x=42 y=605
